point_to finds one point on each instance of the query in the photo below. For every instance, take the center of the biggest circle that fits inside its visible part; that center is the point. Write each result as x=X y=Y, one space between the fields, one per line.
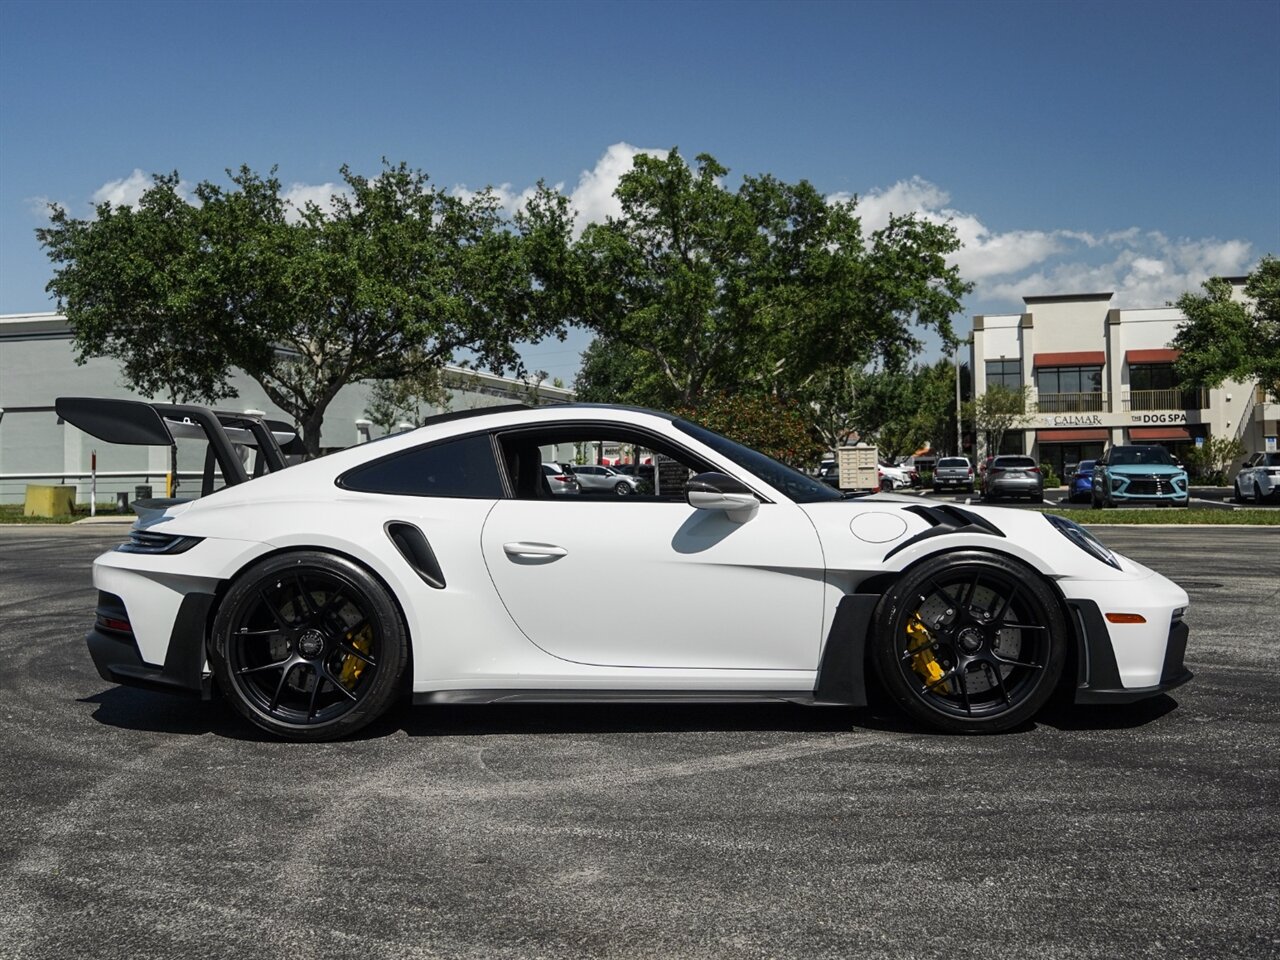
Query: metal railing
x=1171 y=399
x=1093 y=402
x=13 y=485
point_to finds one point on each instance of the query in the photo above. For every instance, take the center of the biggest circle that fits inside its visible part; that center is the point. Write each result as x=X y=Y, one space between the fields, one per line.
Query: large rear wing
x=163 y=424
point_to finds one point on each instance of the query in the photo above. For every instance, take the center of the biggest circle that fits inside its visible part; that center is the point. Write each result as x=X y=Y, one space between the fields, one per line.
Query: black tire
x=622 y=488
x=1239 y=494
x=309 y=646
x=886 y=485
x=982 y=613
x=1258 y=498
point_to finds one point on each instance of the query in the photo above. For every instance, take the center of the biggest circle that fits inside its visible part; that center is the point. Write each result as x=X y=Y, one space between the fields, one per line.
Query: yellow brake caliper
x=352 y=667
x=924 y=663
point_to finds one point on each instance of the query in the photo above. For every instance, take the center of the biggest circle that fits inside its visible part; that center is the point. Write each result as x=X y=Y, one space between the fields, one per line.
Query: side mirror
x=717 y=491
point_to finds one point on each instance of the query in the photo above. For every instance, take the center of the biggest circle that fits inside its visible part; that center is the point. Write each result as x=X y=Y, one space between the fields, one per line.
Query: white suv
x=1259 y=478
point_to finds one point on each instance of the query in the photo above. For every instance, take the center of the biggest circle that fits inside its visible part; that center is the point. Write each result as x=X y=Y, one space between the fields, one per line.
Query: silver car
x=559 y=480
x=593 y=478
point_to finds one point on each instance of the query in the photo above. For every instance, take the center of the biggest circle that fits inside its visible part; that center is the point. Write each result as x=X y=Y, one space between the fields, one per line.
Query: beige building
x=1098 y=374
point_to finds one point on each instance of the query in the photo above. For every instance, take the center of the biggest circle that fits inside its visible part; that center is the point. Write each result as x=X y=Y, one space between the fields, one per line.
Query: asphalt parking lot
x=139 y=825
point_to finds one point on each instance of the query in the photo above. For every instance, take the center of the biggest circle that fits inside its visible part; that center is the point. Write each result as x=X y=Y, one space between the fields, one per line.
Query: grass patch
x=1252 y=518
x=12 y=513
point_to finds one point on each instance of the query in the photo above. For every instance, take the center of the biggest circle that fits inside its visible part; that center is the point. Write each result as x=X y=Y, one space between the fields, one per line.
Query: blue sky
x=1077 y=147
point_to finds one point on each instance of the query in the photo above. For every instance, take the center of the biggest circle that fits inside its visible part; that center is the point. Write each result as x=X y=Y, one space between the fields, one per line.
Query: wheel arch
x=845 y=652
x=224 y=586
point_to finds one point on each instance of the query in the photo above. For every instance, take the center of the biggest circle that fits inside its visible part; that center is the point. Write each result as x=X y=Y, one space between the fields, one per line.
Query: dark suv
x=1013 y=476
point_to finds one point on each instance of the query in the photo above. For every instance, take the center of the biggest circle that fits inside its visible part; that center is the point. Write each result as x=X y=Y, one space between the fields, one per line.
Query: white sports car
x=437 y=562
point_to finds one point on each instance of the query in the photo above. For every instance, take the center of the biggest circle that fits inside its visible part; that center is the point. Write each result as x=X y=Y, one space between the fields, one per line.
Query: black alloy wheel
x=309 y=646
x=970 y=642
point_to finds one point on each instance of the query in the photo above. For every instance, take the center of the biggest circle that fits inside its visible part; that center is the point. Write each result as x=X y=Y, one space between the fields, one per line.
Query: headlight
x=144 y=541
x=1083 y=539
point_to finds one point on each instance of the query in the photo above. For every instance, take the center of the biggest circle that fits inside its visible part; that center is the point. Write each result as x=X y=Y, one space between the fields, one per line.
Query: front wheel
x=970 y=642
x=622 y=488
x=309 y=646
x=1239 y=496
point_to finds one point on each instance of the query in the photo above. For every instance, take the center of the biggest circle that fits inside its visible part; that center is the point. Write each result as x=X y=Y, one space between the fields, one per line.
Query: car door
x=644 y=582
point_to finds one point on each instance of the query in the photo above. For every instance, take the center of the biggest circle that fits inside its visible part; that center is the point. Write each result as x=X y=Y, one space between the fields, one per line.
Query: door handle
x=535 y=552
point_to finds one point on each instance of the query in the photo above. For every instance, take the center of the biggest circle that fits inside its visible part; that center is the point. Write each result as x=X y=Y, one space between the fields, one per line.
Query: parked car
x=953 y=472
x=1138 y=474
x=1259 y=478
x=593 y=478
x=829 y=473
x=559 y=481
x=893 y=477
x=1013 y=475
x=1080 y=482
x=314 y=598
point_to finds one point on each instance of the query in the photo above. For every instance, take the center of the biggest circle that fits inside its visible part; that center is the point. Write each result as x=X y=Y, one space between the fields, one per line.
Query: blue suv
x=1138 y=474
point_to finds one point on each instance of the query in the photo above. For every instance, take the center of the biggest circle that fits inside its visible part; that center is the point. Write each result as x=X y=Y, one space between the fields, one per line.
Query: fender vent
x=417 y=552
x=943 y=520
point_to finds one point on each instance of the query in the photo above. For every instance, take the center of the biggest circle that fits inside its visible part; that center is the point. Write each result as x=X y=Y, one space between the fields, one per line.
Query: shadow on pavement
x=149 y=712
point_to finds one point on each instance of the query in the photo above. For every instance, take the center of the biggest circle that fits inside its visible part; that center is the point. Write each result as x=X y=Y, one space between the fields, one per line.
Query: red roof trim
x=1073 y=436
x=1163 y=355
x=1159 y=433
x=1079 y=358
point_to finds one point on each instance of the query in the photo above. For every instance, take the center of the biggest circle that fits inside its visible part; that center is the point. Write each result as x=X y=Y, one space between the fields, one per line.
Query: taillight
x=1034 y=469
x=562 y=478
x=970 y=473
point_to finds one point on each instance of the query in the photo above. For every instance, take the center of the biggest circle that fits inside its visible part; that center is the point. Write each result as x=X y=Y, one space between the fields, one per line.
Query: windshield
x=793 y=483
x=1272 y=460
x=1130 y=456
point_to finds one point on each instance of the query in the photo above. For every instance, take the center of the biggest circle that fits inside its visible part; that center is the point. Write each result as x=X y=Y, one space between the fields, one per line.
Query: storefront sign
x=1072 y=420
x=1159 y=417
x=1271 y=444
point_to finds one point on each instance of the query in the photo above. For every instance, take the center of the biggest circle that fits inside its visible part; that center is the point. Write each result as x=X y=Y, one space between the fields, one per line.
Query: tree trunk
x=310 y=426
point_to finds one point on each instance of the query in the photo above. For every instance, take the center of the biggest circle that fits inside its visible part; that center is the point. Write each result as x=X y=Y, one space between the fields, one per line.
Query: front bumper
x=1098 y=674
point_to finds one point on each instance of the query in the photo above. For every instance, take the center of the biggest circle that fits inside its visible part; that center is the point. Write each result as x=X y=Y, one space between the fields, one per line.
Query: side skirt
x=612 y=696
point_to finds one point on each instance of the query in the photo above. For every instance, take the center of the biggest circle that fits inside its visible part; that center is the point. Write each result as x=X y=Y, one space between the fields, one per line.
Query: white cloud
x=123 y=193
x=297 y=195
x=39 y=207
x=592 y=197
x=127 y=191
x=1143 y=267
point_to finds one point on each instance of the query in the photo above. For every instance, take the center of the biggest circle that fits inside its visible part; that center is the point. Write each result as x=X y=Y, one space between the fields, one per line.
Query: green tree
x=1210 y=460
x=705 y=290
x=997 y=411
x=1224 y=339
x=396 y=275
x=779 y=430
x=902 y=411
x=412 y=398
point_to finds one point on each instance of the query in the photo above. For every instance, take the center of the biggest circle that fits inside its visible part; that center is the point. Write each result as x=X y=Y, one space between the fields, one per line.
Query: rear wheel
x=309 y=646
x=886 y=485
x=1257 y=493
x=1239 y=495
x=970 y=642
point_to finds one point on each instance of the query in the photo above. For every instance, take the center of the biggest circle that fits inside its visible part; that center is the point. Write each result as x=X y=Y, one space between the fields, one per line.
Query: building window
x=1069 y=380
x=1069 y=389
x=1152 y=376
x=1004 y=373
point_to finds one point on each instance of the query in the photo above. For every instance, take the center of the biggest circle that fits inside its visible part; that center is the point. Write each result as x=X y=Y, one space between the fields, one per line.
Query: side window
x=657 y=472
x=454 y=468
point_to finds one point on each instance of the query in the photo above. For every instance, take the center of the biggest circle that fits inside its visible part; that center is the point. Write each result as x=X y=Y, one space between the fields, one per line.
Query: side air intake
x=417 y=552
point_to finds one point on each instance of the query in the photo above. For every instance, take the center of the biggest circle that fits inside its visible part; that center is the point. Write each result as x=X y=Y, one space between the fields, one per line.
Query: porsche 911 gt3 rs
x=438 y=562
